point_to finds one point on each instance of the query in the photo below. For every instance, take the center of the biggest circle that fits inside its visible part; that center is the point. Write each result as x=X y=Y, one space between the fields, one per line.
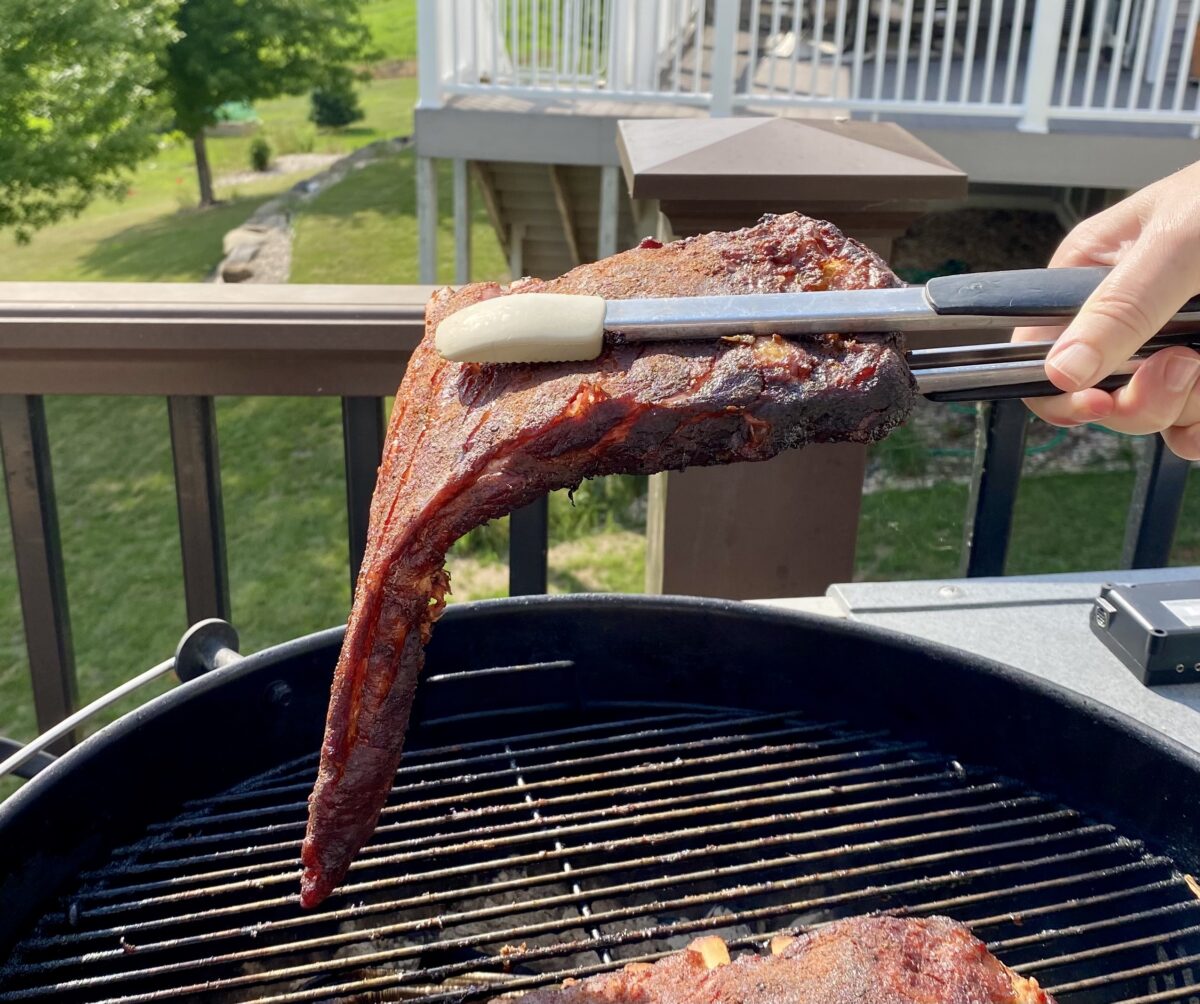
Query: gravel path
x=288 y=163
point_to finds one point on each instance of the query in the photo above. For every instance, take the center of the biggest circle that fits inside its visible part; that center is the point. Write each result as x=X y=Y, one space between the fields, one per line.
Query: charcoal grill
x=596 y=780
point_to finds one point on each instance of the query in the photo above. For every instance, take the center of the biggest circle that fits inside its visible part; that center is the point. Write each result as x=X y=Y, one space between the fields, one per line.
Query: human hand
x=1152 y=240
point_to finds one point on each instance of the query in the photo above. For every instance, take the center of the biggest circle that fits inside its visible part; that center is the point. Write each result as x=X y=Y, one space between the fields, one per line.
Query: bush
x=260 y=154
x=335 y=104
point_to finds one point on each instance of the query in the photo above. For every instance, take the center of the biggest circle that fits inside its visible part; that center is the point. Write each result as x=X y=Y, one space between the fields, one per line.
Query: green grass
x=393 y=25
x=157 y=234
x=365 y=230
x=1062 y=523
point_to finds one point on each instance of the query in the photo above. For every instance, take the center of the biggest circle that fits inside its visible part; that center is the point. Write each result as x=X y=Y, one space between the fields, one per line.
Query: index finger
x=1149 y=284
x=1100 y=240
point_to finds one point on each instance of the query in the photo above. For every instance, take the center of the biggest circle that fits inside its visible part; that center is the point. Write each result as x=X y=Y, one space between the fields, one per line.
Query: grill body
x=598 y=779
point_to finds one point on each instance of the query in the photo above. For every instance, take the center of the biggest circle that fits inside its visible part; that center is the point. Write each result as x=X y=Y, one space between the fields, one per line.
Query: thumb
x=1153 y=279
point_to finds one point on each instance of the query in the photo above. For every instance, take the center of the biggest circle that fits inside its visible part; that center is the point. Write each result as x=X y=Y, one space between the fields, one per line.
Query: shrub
x=335 y=104
x=260 y=154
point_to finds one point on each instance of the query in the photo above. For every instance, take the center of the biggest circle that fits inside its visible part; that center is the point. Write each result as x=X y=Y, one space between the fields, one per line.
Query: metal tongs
x=548 y=327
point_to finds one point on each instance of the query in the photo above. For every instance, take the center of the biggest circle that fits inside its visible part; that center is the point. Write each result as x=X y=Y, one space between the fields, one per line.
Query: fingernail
x=1182 y=372
x=1079 y=363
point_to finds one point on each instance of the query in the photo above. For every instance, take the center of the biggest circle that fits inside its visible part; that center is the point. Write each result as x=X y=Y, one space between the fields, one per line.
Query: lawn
x=1062 y=523
x=365 y=230
x=393 y=25
x=157 y=234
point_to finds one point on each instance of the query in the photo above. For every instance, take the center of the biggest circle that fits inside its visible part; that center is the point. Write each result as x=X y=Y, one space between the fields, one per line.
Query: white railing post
x=622 y=51
x=429 y=71
x=462 y=223
x=610 y=194
x=1042 y=65
x=427 y=219
x=645 y=52
x=724 y=56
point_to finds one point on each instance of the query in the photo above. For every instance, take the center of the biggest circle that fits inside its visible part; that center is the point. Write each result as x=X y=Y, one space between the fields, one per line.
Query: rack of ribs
x=864 y=960
x=468 y=443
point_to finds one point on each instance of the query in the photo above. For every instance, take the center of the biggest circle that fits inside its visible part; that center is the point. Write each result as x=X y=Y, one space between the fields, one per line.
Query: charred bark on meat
x=470 y=443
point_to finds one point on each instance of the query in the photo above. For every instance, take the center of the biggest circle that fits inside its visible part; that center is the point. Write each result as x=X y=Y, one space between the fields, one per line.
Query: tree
x=334 y=103
x=234 y=50
x=77 y=102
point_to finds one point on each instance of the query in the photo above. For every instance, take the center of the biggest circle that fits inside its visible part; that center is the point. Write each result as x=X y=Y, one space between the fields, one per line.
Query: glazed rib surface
x=470 y=443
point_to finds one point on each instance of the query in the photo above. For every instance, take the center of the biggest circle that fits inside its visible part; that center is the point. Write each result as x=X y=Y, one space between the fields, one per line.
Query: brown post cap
x=872 y=179
x=779 y=159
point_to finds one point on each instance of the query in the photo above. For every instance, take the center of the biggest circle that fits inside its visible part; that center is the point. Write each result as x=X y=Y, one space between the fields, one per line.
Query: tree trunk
x=203 y=171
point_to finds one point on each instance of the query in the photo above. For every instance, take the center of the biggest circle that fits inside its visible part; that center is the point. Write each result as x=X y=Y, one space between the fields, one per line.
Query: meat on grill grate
x=513 y=861
x=471 y=443
x=880 y=960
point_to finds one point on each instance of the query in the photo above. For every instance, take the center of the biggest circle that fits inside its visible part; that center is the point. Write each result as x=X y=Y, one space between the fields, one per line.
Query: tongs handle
x=1008 y=370
x=1007 y=392
x=1022 y=292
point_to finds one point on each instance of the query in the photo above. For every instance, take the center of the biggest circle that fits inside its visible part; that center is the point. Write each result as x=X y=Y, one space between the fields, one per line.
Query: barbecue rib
x=469 y=443
x=865 y=960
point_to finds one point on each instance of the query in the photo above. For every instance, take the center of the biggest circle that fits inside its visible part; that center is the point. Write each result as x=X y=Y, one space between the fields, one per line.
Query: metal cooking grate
x=623 y=832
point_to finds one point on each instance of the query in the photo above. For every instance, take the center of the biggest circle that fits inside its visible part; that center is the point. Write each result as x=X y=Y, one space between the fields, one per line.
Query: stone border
x=260 y=250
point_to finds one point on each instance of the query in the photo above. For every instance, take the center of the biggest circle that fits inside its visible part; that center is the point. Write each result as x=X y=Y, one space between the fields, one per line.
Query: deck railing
x=187 y=343
x=1040 y=63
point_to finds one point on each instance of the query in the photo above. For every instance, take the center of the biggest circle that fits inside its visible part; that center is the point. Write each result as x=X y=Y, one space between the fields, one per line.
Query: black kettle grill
x=594 y=780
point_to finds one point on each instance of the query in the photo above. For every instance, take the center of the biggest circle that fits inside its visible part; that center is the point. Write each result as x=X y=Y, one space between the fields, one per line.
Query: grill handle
x=206 y=645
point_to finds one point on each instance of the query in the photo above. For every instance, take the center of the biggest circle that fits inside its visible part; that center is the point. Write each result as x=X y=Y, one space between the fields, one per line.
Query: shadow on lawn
x=184 y=246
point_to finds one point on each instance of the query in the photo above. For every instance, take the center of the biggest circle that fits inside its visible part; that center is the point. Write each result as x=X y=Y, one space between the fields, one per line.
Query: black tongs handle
x=1025 y=292
x=1008 y=392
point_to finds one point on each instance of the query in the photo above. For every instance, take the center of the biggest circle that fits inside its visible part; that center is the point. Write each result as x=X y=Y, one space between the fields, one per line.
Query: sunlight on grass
x=365 y=230
x=393 y=25
x=918 y=534
x=157 y=234
x=285 y=515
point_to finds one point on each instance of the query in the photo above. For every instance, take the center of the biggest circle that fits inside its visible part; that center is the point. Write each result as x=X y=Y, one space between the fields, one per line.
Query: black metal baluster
x=362 y=434
x=39 y=762
x=201 y=515
x=1154 y=509
x=528 y=531
x=38 y=552
x=999 y=452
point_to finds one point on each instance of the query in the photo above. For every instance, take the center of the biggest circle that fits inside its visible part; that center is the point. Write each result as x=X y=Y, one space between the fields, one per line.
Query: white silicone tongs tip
x=524 y=328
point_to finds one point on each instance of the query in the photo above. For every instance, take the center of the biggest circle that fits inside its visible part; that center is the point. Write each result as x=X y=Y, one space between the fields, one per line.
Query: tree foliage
x=251 y=50
x=335 y=103
x=77 y=102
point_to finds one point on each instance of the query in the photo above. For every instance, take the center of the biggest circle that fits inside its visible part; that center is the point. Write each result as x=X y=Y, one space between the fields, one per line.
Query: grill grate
x=511 y=862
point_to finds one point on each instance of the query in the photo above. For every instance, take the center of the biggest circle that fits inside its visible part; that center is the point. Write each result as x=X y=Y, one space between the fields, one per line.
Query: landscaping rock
x=238 y=265
x=260 y=250
x=238 y=237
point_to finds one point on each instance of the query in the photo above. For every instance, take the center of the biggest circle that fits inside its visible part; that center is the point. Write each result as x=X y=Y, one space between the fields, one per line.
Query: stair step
x=525 y=195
